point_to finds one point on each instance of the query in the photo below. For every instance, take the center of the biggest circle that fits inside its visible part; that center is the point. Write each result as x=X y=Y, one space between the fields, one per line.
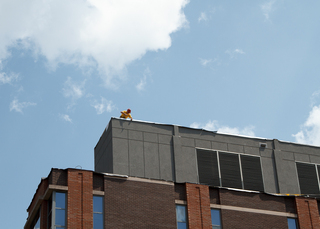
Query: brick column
x=198 y=201
x=80 y=201
x=308 y=214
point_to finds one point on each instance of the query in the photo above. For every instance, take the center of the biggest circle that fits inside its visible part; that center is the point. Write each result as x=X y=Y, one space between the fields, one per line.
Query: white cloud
x=65 y=117
x=7 y=79
x=73 y=90
x=105 y=34
x=103 y=106
x=233 y=53
x=215 y=126
x=18 y=106
x=203 y=17
x=267 y=8
x=310 y=130
x=205 y=62
x=143 y=81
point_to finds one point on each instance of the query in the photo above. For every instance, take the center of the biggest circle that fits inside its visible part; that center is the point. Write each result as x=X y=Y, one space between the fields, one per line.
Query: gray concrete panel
x=166 y=162
x=235 y=148
x=251 y=150
x=287 y=174
x=269 y=175
x=120 y=156
x=219 y=146
x=266 y=153
x=165 y=139
x=135 y=135
x=136 y=158
x=315 y=159
x=301 y=157
x=142 y=126
x=203 y=144
x=189 y=160
x=188 y=142
x=119 y=133
x=150 y=137
x=287 y=155
x=151 y=159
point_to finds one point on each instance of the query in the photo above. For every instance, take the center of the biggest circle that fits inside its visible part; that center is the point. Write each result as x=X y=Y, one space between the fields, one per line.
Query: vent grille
x=230 y=170
x=208 y=167
x=308 y=179
x=251 y=172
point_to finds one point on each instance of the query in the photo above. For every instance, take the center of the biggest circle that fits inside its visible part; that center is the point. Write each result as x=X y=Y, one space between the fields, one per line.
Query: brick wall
x=198 y=205
x=39 y=193
x=139 y=205
x=80 y=201
x=308 y=215
x=244 y=220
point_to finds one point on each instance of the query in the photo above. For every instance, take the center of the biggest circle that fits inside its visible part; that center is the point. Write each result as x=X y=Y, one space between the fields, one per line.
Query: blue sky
x=66 y=67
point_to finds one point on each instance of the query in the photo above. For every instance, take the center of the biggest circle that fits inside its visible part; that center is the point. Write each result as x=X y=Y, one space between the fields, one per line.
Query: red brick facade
x=198 y=205
x=80 y=199
x=138 y=203
x=308 y=214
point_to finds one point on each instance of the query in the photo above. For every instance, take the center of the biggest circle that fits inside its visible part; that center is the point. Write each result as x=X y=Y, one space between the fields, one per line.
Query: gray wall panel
x=165 y=139
x=203 y=144
x=135 y=135
x=151 y=159
x=235 y=148
x=269 y=175
x=266 y=153
x=219 y=146
x=314 y=159
x=166 y=162
x=287 y=155
x=150 y=137
x=188 y=142
x=119 y=133
x=136 y=158
x=252 y=150
x=120 y=156
x=301 y=157
x=287 y=174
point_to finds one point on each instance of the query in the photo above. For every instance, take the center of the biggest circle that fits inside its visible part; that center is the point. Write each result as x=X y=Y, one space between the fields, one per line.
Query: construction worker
x=126 y=114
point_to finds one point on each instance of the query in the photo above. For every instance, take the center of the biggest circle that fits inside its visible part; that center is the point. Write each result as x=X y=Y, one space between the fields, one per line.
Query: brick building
x=151 y=175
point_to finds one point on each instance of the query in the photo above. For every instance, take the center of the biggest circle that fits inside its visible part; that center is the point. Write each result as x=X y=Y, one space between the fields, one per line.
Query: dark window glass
x=60 y=217
x=292 y=223
x=181 y=216
x=97 y=212
x=208 y=167
x=230 y=170
x=251 y=172
x=60 y=200
x=307 y=178
x=60 y=209
x=215 y=219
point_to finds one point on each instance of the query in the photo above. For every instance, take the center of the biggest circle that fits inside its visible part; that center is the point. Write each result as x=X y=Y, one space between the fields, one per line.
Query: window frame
x=215 y=226
x=98 y=213
x=53 y=209
x=186 y=215
x=316 y=171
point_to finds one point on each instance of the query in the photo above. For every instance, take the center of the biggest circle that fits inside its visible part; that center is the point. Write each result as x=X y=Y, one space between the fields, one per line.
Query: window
x=308 y=178
x=292 y=223
x=215 y=219
x=181 y=217
x=57 y=211
x=97 y=212
x=229 y=170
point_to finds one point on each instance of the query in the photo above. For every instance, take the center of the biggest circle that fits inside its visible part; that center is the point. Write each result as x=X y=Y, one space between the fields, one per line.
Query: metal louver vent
x=307 y=178
x=230 y=170
x=208 y=167
x=251 y=172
